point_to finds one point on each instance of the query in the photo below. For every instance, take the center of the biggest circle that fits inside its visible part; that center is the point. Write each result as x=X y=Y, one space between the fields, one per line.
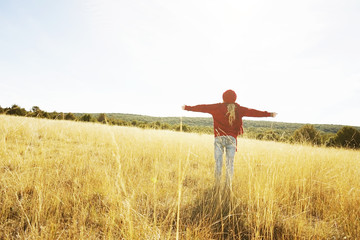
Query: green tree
x=165 y=126
x=271 y=136
x=86 y=118
x=346 y=137
x=185 y=128
x=37 y=112
x=35 y=109
x=259 y=136
x=70 y=116
x=16 y=110
x=102 y=118
x=307 y=134
x=55 y=115
x=134 y=122
x=45 y=114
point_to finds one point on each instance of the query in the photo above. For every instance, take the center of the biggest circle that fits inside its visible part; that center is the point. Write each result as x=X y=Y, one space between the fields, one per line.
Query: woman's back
x=222 y=124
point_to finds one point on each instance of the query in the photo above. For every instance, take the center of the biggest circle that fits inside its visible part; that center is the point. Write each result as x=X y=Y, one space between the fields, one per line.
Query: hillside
x=198 y=123
x=207 y=121
x=328 y=135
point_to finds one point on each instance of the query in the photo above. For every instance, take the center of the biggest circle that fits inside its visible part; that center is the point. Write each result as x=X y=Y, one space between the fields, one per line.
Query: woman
x=227 y=118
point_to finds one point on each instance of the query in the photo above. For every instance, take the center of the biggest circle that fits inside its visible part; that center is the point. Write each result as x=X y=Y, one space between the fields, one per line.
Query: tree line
x=98 y=118
x=346 y=136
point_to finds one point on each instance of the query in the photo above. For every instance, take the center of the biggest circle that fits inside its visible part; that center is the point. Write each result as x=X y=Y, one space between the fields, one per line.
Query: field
x=75 y=180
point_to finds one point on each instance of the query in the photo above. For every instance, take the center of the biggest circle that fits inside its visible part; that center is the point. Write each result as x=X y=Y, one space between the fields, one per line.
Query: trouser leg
x=219 y=151
x=230 y=155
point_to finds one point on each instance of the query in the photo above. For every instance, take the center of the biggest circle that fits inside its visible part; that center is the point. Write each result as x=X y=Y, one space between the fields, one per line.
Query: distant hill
x=191 y=124
x=207 y=121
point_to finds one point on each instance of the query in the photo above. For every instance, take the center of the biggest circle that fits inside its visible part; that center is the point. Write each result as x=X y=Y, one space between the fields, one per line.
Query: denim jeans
x=227 y=143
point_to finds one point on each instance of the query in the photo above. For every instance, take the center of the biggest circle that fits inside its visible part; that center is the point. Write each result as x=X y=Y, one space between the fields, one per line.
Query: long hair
x=231 y=113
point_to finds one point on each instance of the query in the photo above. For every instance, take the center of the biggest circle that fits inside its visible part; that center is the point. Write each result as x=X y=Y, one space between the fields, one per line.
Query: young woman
x=227 y=118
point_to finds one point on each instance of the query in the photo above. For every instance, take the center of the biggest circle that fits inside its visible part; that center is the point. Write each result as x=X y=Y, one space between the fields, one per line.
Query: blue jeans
x=227 y=143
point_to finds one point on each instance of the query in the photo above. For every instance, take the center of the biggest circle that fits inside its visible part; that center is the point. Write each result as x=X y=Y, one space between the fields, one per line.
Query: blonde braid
x=231 y=112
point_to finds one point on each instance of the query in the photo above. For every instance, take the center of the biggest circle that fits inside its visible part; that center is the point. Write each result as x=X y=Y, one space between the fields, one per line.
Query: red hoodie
x=222 y=126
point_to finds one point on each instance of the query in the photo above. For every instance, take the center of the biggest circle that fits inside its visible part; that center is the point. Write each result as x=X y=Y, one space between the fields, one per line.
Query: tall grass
x=71 y=180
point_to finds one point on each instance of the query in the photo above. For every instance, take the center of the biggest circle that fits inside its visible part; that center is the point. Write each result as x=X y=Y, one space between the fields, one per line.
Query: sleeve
x=204 y=108
x=248 y=112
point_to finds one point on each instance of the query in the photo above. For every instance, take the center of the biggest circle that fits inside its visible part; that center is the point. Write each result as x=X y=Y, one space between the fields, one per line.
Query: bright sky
x=300 y=59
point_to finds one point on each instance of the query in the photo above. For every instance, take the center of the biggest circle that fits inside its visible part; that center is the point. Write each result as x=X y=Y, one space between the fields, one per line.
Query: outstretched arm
x=248 y=112
x=205 y=108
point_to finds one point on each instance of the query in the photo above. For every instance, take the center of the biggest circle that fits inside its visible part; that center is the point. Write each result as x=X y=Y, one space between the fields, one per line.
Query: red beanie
x=229 y=96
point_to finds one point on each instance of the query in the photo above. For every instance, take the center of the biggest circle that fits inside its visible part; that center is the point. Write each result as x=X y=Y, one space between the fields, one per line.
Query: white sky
x=298 y=58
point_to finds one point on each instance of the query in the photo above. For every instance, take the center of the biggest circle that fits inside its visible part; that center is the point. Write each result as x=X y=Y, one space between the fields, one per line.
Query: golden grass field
x=75 y=180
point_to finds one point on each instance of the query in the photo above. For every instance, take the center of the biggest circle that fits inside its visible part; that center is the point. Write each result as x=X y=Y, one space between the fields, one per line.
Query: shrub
x=259 y=136
x=70 y=116
x=165 y=126
x=102 y=118
x=118 y=122
x=346 y=137
x=37 y=112
x=307 y=134
x=86 y=118
x=56 y=115
x=16 y=110
x=184 y=128
x=134 y=123
x=268 y=135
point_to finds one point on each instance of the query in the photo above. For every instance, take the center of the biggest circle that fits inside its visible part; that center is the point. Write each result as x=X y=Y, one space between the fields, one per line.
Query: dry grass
x=71 y=180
